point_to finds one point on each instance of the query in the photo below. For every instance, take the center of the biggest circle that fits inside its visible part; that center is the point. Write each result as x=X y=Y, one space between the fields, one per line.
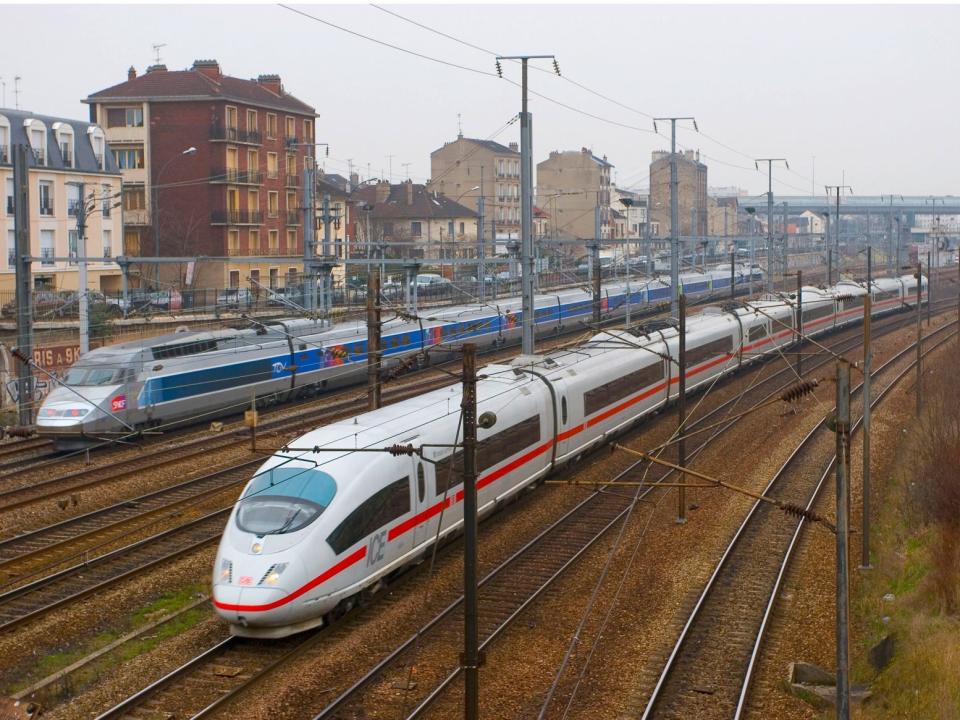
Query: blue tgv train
x=190 y=376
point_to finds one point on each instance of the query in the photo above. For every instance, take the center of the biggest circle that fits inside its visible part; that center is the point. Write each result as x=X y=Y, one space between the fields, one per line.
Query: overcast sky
x=869 y=91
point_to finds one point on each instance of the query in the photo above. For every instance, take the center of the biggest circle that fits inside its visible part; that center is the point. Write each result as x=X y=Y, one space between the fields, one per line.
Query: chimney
x=514 y=147
x=409 y=184
x=156 y=68
x=586 y=151
x=383 y=192
x=131 y=73
x=210 y=68
x=271 y=83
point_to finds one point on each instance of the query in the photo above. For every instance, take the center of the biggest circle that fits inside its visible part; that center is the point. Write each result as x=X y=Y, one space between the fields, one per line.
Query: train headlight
x=226 y=571
x=272 y=576
x=257 y=547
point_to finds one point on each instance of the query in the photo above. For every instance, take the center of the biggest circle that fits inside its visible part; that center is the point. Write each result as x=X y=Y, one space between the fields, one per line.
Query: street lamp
x=156 y=210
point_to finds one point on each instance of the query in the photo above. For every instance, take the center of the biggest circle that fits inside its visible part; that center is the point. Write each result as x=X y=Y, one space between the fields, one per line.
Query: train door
x=422 y=499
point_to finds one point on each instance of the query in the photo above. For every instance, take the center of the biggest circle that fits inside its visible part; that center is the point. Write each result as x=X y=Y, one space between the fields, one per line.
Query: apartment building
x=571 y=185
x=467 y=167
x=691 y=194
x=68 y=164
x=409 y=220
x=212 y=166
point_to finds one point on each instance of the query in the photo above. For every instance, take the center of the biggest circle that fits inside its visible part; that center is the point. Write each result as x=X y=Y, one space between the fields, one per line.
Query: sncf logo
x=119 y=403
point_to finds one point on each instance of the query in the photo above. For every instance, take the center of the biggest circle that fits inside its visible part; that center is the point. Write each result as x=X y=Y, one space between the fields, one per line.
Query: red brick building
x=212 y=166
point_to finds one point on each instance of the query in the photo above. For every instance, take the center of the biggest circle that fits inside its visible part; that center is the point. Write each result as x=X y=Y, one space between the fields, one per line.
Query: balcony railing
x=139 y=216
x=239 y=177
x=273 y=212
x=292 y=140
x=261 y=252
x=39 y=156
x=73 y=206
x=46 y=210
x=232 y=134
x=4 y=154
x=273 y=174
x=293 y=181
x=46 y=257
x=293 y=217
x=236 y=217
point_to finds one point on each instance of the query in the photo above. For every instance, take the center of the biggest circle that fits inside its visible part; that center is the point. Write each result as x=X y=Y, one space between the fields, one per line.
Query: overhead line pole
x=770 y=162
x=526 y=201
x=471 y=655
x=842 y=430
x=867 y=364
x=836 y=220
x=674 y=211
x=24 y=296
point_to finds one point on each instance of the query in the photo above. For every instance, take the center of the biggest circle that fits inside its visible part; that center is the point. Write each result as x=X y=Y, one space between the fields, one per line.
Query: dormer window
x=37 y=136
x=64 y=135
x=4 y=140
x=98 y=143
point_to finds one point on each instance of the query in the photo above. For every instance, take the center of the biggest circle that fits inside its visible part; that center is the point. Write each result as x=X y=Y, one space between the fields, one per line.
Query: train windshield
x=93 y=376
x=284 y=499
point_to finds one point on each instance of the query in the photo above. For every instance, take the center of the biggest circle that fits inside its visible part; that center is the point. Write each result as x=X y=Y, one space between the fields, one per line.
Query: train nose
x=246 y=605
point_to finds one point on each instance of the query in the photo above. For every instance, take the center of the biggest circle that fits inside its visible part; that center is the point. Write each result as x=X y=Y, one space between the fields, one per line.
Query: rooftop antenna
x=459 y=127
x=16 y=92
x=156 y=51
x=406 y=169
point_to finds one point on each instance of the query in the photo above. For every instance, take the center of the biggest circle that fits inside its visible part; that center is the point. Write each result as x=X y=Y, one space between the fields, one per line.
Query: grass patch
x=53 y=662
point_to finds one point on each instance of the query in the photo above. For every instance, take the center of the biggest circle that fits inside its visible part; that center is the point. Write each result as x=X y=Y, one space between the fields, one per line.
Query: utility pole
x=309 y=234
x=929 y=283
x=785 y=250
x=471 y=657
x=867 y=363
x=682 y=412
x=799 y=323
x=919 y=337
x=481 y=249
x=733 y=275
x=82 y=298
x=843 y=519
x=595 y=254
x=674 y=211
x=836 y=246
x=24 y=296
x=526 y=201
x=374 y=354
x=326 y=260
x=770 y=162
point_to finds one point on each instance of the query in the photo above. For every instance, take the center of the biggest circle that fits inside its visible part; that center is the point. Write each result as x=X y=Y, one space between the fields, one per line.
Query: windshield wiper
x=289 y=521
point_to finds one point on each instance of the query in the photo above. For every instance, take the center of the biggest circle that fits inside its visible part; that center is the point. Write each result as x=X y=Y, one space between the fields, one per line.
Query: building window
x=273 y=167
x=271 y=125
x=273 y=204
x=73 y=198
x=124 y=117
x=255 y=278
x=232 y=156
x=134 y=198
x=291 y=241
x=462 y=232
x=233 y=200
x=106 y=200
x=231 y=117
x=291 y=129
x=47 y=248
x=291 y=165
x=274 y=242
x=252 y=121
x=500 y=167
x=73 y=238
x=253 y=163
x=254 y=241
x=10 y=203
x=131 y=242
x=128 y=158
x=11 y=248
x=450 y=229
x=415 y=229
x=234 y=279
x=308 y=131
x=107 y=243
x=233 y=243
x=274 y=276
x=253 y=200
x=46 y=198
x=291 y=201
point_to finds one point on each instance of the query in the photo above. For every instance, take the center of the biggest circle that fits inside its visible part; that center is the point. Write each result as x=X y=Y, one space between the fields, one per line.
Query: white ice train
x=321 y=524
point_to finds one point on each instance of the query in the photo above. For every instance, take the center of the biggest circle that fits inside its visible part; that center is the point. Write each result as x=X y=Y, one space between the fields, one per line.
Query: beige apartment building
x=571 y=185
x=467 y=168
x=67 y=161
x=691 y=194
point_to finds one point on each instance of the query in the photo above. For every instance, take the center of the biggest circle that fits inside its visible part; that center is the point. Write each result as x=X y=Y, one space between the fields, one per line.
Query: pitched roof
x=192 y=84
x=424 y=204
x=493 y=146
x=82 y=147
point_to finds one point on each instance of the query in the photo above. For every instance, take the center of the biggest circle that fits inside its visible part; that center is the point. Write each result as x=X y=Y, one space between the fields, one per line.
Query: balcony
x=46 y=257
x=261 y=252
x=232 y=134
x=293 y=181
x=293 y=217
x=236 y=217
x=292 y=140
x=236 y=177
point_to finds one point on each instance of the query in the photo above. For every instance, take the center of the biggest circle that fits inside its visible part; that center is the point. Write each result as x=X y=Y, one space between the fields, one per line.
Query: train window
x=563 y=410
x=421 y=483
x=284 y=499
x=699 y=354
x=382 y=507
x=92 y=376
x=819 y=312
x=490 y=451
x=758 y=331
x=611 y=392
x=188 y=348
x=449 y=472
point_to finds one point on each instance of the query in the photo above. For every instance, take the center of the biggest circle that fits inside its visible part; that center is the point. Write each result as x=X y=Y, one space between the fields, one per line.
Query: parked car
x=235 y=298
x=166 y=300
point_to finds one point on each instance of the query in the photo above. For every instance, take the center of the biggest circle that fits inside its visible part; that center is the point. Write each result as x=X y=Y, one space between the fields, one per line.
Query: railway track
x=504 y=594
x=708 y=672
